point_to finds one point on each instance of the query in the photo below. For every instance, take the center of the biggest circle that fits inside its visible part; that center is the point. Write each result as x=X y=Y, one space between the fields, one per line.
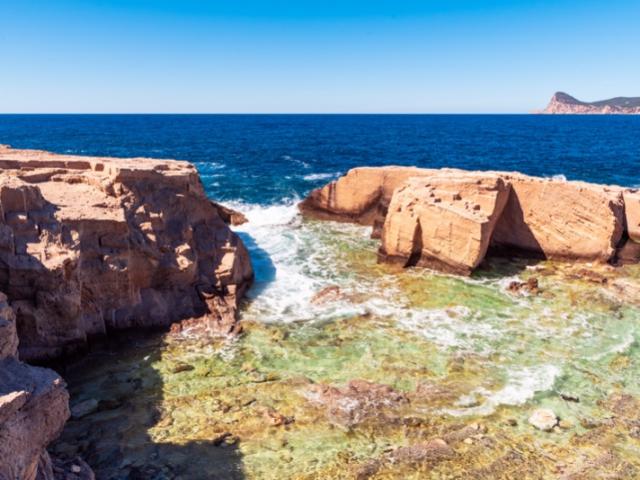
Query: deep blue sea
x=266 y=159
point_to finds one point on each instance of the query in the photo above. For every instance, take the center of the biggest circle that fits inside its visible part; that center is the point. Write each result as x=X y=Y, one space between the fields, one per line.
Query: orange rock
x=92 y=244
x=632 y=213
x=361 y=196
x=448 y=218
x=560 y=219
x=444 y=221
x=34 y=405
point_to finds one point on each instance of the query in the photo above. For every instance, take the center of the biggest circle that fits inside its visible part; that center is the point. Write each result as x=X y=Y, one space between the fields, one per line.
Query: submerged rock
x=327 y=294
x=356 y=402
x=531 y=286
x=543 y=419
x=436 y=449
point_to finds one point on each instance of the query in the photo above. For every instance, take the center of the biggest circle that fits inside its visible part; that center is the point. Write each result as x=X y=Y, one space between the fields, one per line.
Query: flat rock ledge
x=449 y=219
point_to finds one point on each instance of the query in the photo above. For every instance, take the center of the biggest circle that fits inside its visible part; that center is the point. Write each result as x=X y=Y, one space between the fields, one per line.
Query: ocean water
x=466 y=352
x=267 y=158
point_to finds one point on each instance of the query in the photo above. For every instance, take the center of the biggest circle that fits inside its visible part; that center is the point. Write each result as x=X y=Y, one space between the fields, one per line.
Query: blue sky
x=314 y=56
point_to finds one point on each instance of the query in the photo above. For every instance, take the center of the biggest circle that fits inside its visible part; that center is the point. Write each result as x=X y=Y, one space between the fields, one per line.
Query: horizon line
x=269 y=113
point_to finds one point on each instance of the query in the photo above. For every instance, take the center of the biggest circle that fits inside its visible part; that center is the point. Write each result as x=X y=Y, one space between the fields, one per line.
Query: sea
x=493 y=355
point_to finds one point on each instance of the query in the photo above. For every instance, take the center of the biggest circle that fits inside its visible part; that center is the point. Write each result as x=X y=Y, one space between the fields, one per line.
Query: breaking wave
x=521 y=386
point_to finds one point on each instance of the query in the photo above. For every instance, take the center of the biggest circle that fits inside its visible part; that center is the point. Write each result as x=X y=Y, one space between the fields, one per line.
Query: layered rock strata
x=449 y=219
x=92 y=244
x=89 y=245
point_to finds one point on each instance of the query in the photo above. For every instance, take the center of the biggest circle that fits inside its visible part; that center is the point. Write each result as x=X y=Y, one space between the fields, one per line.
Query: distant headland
x=563 y=103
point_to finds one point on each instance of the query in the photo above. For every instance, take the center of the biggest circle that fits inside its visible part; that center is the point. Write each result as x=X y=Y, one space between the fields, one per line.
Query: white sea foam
x=320 y=176
x=456 y=327
x=289 y=266
x=205 y=168
x=292 y=264
x=521 y=386
x=623 y=346
x=558 y=177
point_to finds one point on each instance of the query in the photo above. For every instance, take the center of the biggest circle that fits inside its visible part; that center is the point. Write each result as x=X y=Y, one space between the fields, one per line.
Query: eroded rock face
x=361 y=196
x=632 y=213
x=560 y=219
x=443 y=221
x=34 y=405
x=448 y=219
x=92 y=244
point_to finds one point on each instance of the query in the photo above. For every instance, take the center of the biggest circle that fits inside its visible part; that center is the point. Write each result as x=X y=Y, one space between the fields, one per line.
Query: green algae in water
x=470 y=360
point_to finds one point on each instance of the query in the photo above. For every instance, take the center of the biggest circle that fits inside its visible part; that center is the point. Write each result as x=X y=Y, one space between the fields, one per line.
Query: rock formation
x=449 y=219
x=560 y=219
x=92 y=244
x=564 y=103
x=443 y=222
x=34 y=406
x=89 y=245
x=361 y=196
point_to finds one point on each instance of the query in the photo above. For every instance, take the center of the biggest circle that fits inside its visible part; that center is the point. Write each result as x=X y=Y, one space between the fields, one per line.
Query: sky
x=318 y=56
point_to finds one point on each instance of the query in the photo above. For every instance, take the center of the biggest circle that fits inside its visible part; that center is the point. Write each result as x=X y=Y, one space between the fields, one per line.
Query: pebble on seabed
x=543 y=419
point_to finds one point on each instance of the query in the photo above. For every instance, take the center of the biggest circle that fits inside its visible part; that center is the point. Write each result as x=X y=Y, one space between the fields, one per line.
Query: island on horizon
x=563 y=103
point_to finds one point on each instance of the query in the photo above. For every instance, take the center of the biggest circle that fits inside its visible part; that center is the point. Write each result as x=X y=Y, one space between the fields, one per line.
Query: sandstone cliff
x=89 y=245
x=449 y=219
x=93 y=244
x=563 y=103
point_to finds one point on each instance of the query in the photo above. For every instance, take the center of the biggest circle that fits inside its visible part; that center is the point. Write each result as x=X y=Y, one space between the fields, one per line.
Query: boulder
x=543 y=419
x=91 y=244
x=34 y=405
x=444 y=221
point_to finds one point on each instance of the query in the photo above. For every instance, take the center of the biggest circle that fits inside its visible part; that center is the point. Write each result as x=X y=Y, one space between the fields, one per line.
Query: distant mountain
x=564 y=103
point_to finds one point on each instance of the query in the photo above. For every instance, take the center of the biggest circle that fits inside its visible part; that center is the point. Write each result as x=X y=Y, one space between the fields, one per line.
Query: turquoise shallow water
x=472 y=359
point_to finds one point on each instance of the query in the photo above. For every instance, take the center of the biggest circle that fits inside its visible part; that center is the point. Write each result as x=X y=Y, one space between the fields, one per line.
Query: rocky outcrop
x=632 y=212
x=562 y=103
x=89 y=245
x=361 y=196
x=560 y=219
x=34 y=405
x=449 y=219
x=443 y=222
